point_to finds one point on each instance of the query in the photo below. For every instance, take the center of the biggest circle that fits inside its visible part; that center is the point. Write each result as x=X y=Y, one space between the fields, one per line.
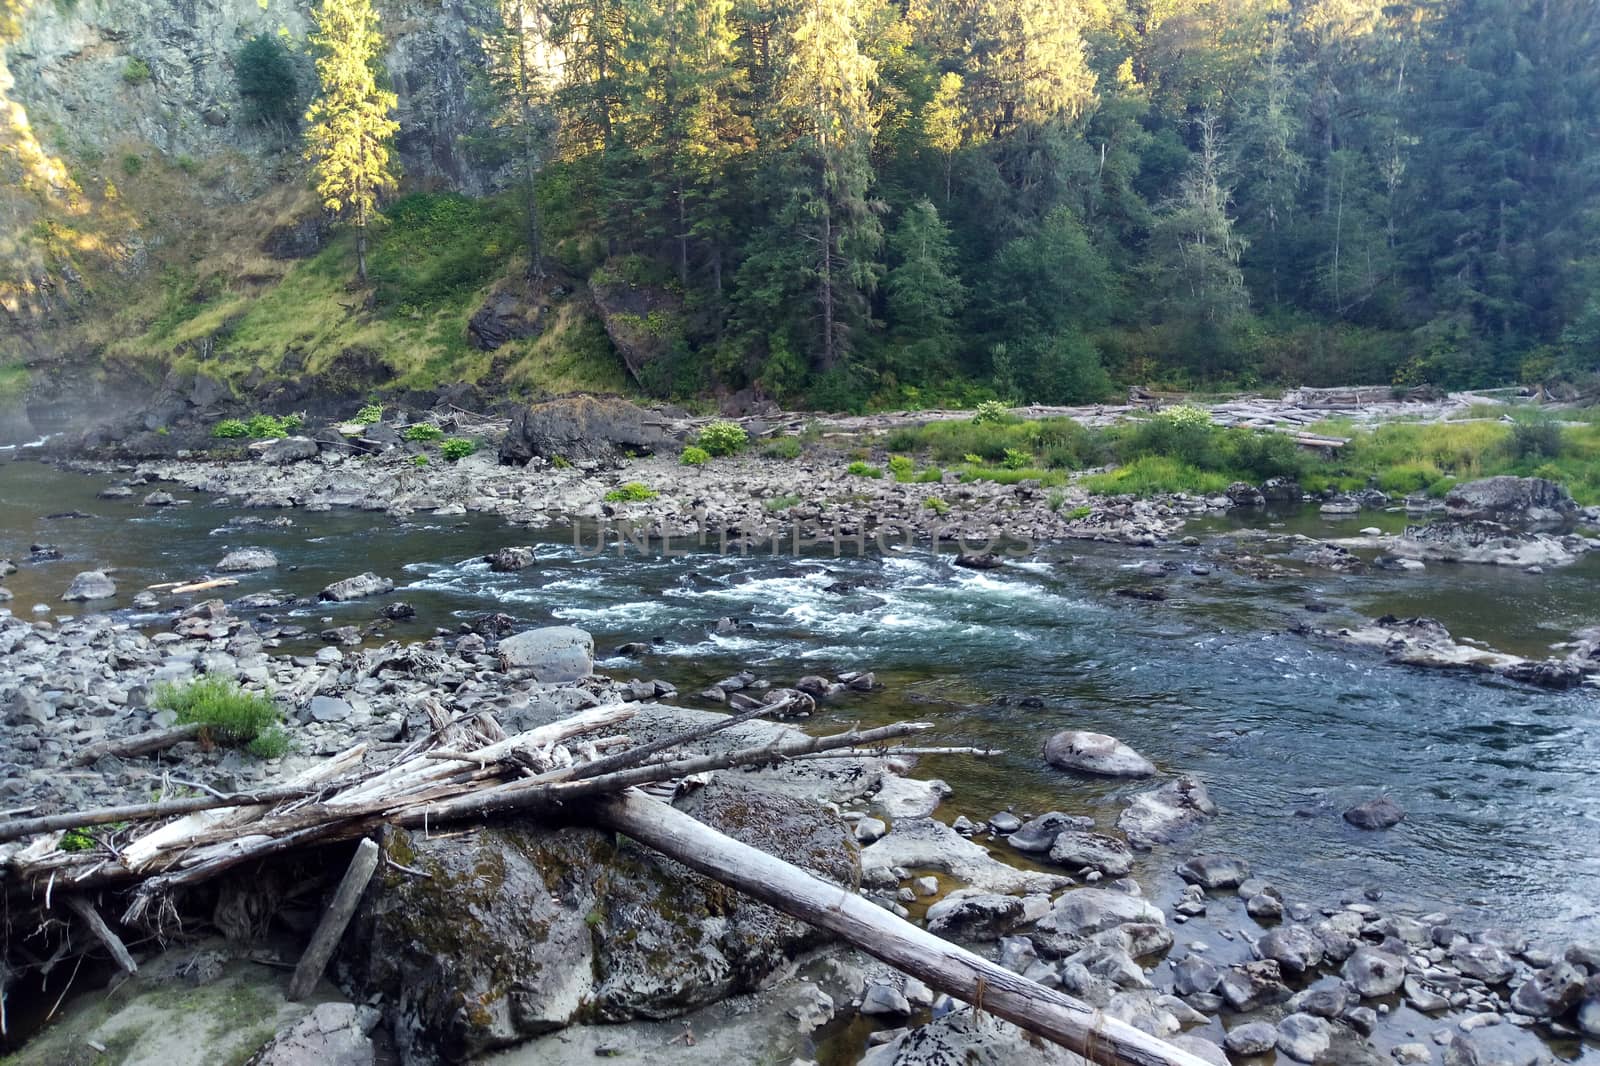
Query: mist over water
x=1498 y=779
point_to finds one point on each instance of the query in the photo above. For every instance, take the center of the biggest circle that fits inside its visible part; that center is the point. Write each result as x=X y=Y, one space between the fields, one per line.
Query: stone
x=1372 y=973
x=883 y=998
x=1264 y=907
x=1038 y=834
x=1303 y=1037
x=1005 y=822
x=328 y=709
x=1214 y=871
x=90 y=585
x=1328 y=998
x=1413 y=1054
x=1194 y=973
x=1251 y=1038
x=1082 y=912
x=398 y=611
x=1589 y=1016
x=1078 y=850
x=929 y=844
x=908 y=797
x=1249 y=985
x=583 y=429
x=979 y=916
x=1501 y=1046
x=1380 y=813
x=1523 y=500
x=358 y=587
x=288 y=450
x=1423 y=998
x=1095 y=753
x=555 y=654
x=159 y=499
x=1161 y=815
x=1294 y=947
x=979 y=561
x=1550 y=992
x=961 y=1036
x=510 y=560
x=869 y=829
x=333 y=1034
x=246 y=560
x=1489 y=963
x=1201 y=1048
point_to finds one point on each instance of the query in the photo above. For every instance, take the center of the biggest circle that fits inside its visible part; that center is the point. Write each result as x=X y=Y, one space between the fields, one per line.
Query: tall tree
x=1196 y=231
x=824 y=103
x=349 y=129
x=520 y=116
x=924 y=292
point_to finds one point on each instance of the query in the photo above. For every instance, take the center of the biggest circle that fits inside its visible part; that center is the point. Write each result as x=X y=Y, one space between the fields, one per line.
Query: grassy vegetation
x=257 y=427
x=13 y=381
x=457 y=448
x=781 y=503
x=1179 y=450
x=230 y=715
x=863 y=469
x=422 y=433
x=632 y=492
x=693 y=456
x=723 y=438
x=782 y=448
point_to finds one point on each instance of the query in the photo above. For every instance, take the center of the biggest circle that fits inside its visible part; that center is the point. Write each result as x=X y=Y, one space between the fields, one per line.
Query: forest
x=858 y=201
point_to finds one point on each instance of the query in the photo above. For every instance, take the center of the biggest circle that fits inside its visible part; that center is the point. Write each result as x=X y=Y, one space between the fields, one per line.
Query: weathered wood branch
x=140 y=744
x=102 y=932
x=17 y=828
x=940 y=964
x=334 y=921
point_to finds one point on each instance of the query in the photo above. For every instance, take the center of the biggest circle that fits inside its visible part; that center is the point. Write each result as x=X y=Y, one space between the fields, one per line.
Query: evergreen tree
x=267 y=82
x=924 y=293
x=520 y=119
x=349 y=129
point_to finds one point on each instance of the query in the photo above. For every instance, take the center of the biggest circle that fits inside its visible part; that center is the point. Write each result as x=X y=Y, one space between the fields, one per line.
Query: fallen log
x=938 y=963
x=102 y=932
x=139 y=744
x=206 y=586
x=17 y=828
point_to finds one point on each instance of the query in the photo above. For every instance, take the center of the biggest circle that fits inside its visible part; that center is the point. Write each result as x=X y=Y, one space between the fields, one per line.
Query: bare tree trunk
x=825 y=286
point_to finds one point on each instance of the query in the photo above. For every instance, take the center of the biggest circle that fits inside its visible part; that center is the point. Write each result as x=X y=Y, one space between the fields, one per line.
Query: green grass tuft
x=632 y=492
x=230 y=715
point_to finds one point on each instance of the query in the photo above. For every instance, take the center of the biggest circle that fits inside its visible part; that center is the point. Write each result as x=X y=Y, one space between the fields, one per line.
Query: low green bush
x=782 y=448
x=369 y=415
x=723 y=438
x=937 y=506
x=781 y=503
x=861 y=469
x=931 y=476
x=1536 y=438
x=901 y=467
x=135 y=71
x=230 y=429
x=991 y=412
x=419 y=460
x=1016 y=459
x=632 y=492
x=694 y=456
x=422 y=432
x=457 y=448
x=228 y=715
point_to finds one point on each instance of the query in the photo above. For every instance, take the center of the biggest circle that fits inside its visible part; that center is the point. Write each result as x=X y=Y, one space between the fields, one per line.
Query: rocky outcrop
x=518 y=930
x=643 y=321
x=554 y=654
x=584 y=428
x=1526 y=501
x=1095 y=753
x=1161 y=815
x=1478 y=541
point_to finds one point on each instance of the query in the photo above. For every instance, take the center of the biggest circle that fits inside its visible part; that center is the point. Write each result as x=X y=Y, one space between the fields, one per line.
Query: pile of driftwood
x=467 y=769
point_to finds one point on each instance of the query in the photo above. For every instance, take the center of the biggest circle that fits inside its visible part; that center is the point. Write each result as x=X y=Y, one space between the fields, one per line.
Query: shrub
x=423 y=431
x=266 y=427
x=693 y=456
x=782 y=448
x=973 y=459
x=937 y=506
x=419 y=460
x=1536 y=438
x=1262 y=455
x=1016 y=459
x=369 y=415
x=901 y=467
x=227 y=714
x=860 y=469
x=1078 y=514
x=632 y=492
x=1057 y=498
x=991 y=412
x=457 y=448
x=781 y=503
x=723 y=438
x=560 y=462
x=132 y=165
x=931 y=476
x=1407 y=478
x=136 y=71
x=230 y=429
x=1182 y=433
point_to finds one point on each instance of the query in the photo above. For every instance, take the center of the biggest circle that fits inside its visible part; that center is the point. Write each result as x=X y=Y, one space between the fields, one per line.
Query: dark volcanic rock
x=583 y=428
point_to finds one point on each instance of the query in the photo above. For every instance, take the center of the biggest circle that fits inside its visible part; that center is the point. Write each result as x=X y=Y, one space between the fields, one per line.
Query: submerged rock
x=510 y=560
x=1214 y=871
x=1096 y=753
x=1161 y=815
x=358 y=587
x=90 y=585
x=246 y=560
x=1380 y=813
x=1038 y=834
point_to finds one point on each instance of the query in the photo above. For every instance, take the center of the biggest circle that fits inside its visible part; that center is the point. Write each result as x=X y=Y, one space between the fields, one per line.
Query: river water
x=1499 y=780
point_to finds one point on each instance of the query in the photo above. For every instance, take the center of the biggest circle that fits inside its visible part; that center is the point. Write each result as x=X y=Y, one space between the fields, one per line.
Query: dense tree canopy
x=871 y=201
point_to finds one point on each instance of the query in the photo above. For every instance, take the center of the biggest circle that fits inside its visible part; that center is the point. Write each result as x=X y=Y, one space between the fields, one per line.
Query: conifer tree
x=519 y=116
x=924 y=292
x=349 y=130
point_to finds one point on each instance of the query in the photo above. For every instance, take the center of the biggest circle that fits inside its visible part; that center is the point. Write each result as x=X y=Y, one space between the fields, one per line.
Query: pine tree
x=1197 y=233
x=519 y=112
x=824 y=100
x=349 y=129
x=924 y=292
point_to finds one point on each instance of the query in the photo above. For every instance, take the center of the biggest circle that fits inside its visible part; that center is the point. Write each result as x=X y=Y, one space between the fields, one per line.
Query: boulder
x=90 y=585
x=1038 y=834
x=520 y=929
x=1161 y=815
x=1084 y=912
x=1489 y=963
x=1530 y=501
x=1251 y=1038
x=1195 y=974
x=1500 y=1045
x=1371 y=973
x=1244 y=494
x=1249 y=985
x=1281 y=490
x=247 y=560
x=1294 y=947
x=1214 y=871
x=1550 y=992
x=970 y=1039
x=1095 y=753
x=555 y=654
x=510 y=560
x=288 y=450
x=976 y=916
x=582 y=428
x=1303 y=1037
x=358 y=587
x=159 y=499
x=333 y=1034
x=1380 y=813
x=979 y=561
x=1078 y=850
x=929 y=844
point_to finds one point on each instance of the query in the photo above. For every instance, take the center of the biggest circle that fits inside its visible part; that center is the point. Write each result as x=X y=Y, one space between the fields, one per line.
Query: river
x=1498 y=780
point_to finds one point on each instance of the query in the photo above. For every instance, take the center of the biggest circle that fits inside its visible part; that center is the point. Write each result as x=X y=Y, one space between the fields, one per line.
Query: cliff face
x=70 y=71
x=124 y=157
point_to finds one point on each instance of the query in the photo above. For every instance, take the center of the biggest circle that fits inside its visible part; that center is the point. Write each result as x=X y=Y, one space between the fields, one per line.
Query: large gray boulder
x=521 y=929
x=90 y=585
x=247 y=560
x=288 y=450
x=584 y=428
x=355 y=588
x=1079 y=850
x=1160 y=815
x=1371 y=972
x=333 y=1034
x=1095 y=753
x=1518 y=500
x=555 y=654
